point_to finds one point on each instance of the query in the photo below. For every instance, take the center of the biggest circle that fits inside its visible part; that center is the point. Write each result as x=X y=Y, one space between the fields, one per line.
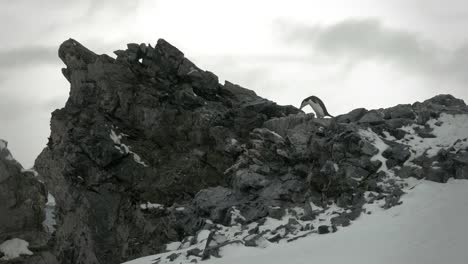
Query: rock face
x=148 y=126
x=23 y=199
x=150 y=149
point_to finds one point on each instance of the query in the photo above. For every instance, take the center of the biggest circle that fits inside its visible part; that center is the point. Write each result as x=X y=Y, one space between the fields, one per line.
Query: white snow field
x=429 y=227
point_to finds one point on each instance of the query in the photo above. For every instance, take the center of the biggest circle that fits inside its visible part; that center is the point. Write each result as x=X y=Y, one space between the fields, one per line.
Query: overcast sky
x=360 y=53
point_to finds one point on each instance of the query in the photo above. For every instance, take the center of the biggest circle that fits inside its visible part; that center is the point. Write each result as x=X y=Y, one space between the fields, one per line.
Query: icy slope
x=429 y=227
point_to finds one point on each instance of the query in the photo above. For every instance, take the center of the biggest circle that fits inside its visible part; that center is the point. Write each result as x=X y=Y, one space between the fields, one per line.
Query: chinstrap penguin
x=316 y=104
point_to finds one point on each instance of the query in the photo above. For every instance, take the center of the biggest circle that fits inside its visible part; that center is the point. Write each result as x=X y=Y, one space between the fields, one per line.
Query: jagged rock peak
x=446 y=100
x=5 y=153
x=148 y=126
x=75 y=55
x=3 y=144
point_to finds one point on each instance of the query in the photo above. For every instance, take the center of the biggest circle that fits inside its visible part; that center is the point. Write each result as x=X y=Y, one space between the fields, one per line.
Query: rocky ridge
x=151 y=154
x=361 y=166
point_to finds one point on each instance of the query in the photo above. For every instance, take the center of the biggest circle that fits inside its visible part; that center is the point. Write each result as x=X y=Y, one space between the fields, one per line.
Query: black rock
x=352 y=116
x=324 y=229
x=372 y=117
x=400 y=111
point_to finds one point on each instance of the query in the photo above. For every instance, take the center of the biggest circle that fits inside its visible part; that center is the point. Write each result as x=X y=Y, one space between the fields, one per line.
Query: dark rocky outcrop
x=150 y=149
x=23 y=200
x=146 y=126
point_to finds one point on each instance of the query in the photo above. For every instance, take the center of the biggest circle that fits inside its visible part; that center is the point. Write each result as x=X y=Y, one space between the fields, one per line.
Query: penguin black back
x=315 y=101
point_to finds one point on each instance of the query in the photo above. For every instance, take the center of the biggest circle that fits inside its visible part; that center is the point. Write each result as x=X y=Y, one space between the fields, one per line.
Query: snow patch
x=124 y=149
x=315 y=208
x=14 y=248
x=375 y=140
x=33 y=171
x=173 y=246
x=150 y=206
x=50 y=221
x=192 y=70
x=236 y=216
x=203 y=235
x=450 y=131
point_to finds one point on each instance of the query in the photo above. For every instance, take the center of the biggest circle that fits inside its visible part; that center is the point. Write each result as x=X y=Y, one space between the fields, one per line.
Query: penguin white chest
x=317 y=109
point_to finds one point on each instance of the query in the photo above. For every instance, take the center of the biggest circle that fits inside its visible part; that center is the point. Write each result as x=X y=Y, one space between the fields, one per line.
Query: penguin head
x=304 y=103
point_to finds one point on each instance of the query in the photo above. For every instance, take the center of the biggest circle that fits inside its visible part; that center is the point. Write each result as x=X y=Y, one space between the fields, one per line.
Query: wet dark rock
x=396 y=155
x=446 y=100
x=400 y=112
x=460 y=165
x=393 y=198
x=276 y=212
x=396 y=123
x=340 y=221
x=372 y=117
x=368 y=149
x=324 y=229
x=425 y=132
x=436 y=174
x=245 y=180
x=352 y=116
x=409 y=171
x=173 y=256
x=214 y=202
x=194 y=252
x=254 y=240
x=461 y=172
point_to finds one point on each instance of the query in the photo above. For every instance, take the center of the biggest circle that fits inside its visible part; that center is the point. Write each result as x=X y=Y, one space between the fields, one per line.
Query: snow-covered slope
x=429 y=227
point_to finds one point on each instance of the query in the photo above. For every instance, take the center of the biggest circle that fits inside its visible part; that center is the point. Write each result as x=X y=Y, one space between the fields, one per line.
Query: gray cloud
x=117 y=8
x=24 y=56
x=359 y=40
x=40 y=22
x=12 y=108
x=458 y=64
x=362 y=40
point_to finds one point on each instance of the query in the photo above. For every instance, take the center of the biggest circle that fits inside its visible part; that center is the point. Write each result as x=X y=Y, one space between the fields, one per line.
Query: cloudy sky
x=360 y=53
